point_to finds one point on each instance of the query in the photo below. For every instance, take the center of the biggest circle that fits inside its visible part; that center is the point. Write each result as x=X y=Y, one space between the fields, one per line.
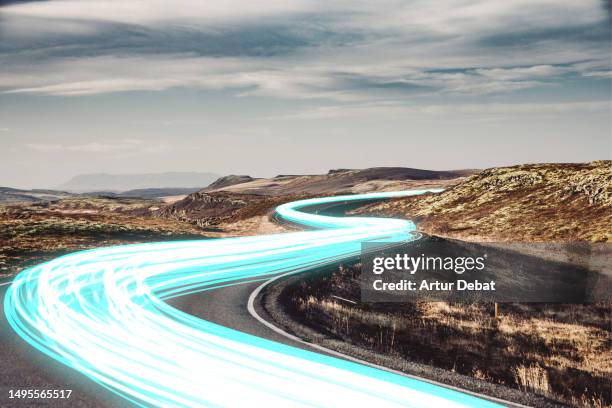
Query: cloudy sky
x=299 y=86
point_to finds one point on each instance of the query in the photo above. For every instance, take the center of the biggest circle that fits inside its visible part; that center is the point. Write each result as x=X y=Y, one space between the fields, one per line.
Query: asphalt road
x=228 y=307
x=23 y=367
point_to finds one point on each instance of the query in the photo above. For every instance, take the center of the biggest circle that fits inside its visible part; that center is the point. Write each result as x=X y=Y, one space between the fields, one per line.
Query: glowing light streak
x=102 y=312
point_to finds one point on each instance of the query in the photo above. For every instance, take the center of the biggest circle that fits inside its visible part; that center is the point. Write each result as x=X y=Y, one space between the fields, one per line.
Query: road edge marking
x=278 y=330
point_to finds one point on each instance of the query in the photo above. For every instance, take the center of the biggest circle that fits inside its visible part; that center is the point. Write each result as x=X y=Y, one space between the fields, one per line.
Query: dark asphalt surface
x=23 y=367
x=227 y=307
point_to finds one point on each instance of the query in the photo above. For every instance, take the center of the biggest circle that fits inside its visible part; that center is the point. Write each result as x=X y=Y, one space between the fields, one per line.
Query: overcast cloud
x=267 y=74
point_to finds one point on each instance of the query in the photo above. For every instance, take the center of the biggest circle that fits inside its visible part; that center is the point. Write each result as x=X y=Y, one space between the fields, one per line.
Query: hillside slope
x=345 y=181
x=230 y=180
x=534 y=202
x=235 y=198
x=31 y=233
x=208 y=210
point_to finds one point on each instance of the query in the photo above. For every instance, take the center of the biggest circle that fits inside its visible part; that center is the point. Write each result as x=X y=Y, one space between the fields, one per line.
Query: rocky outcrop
x=206 y=209
x=211 y=209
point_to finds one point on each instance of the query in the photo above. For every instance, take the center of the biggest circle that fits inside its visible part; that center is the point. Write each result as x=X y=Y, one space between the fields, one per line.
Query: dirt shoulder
x=535 y=354
x=277 y=304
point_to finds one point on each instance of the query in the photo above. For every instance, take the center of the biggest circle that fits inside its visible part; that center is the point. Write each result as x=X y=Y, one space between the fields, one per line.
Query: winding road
x=115 y=316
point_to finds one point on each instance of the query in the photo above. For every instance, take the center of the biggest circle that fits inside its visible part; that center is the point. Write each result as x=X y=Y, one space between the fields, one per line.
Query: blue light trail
x=103 y=313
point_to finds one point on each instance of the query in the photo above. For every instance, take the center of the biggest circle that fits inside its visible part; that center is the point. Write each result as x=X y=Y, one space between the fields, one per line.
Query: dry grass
x=32 y=233
x=538 y=202
x=560 y=351
x=533 y=378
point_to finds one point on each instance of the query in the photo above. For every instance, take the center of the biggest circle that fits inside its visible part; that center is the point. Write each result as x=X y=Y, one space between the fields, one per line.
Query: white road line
x=253 y=312
x=344 y=300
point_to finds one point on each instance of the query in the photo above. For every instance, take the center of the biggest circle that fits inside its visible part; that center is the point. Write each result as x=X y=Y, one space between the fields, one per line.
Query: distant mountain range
x=160 y=185
x=124 y=182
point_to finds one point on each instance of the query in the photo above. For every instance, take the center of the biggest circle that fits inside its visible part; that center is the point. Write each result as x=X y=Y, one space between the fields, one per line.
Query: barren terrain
x=526 y=203
x=559 y=352
x=38 y=225
x=35 y=232
x=343 y=181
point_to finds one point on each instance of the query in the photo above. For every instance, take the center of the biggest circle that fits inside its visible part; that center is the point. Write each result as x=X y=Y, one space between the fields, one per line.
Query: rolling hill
x=531 y=202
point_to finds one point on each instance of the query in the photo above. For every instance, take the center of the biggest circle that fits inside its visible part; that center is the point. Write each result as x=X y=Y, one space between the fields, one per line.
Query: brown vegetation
x=213 y=209
x=38 y=225
x=559 y=351
x=536 y=202
x=32 y=233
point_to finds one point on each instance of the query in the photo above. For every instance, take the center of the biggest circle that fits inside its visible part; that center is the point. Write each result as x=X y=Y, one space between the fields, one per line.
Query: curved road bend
x=97 y=310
